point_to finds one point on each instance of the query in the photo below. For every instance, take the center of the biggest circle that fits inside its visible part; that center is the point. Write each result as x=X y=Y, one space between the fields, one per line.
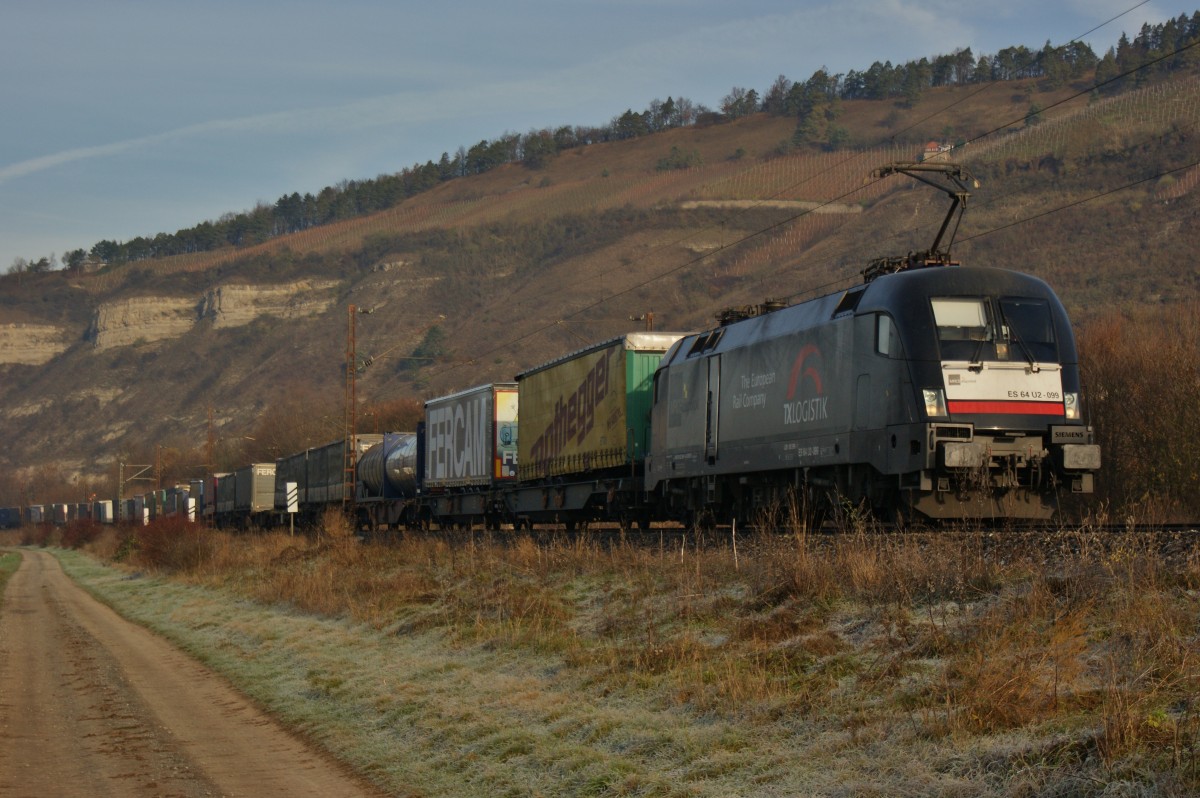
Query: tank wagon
x=388 y=477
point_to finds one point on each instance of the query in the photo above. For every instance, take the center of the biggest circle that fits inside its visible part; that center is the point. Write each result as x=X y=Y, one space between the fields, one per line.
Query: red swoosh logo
x=800 y=370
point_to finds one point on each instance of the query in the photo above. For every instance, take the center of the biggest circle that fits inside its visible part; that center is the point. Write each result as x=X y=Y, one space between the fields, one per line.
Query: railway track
x=1175 y=542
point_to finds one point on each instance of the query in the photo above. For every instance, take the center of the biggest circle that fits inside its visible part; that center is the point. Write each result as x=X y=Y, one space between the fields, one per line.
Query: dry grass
x=1083 y=648
x=8 y=565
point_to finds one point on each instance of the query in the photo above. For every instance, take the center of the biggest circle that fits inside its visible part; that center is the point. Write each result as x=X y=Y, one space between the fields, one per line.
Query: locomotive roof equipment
x=959 y=177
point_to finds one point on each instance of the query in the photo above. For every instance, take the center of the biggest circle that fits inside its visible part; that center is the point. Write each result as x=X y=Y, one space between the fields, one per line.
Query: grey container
x=293 y=468
x=102 y=511
x=326 y=472
x=471 y=437
x=212 y=491
x=254 y=488
x=175 y=500
x=225 y=492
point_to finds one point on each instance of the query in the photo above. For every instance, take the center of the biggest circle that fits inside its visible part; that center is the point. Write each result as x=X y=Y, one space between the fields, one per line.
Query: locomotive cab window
x=962 y=326
x=1027 y=323
x=887 y=340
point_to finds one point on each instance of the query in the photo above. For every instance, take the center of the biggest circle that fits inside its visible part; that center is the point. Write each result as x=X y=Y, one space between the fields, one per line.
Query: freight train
x=931 y=390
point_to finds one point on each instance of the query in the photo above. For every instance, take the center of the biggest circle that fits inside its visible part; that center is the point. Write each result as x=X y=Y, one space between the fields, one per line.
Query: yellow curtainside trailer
x=590 y=410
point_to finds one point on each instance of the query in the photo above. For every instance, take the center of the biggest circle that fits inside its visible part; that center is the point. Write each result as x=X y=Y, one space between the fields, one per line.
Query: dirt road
x=92 y=705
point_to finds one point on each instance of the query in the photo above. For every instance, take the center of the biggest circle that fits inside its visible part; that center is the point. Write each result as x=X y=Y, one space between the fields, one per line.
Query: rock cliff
x=141 y=319
x=234 y=305
x=145 y=319
x=32 y=344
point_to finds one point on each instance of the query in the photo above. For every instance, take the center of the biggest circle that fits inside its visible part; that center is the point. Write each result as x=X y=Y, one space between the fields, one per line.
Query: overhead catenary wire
x=1026 y=117
x=808 y=211
x=991 y=85
x=998 y=197
x=1081 y=201
x=1082 y=92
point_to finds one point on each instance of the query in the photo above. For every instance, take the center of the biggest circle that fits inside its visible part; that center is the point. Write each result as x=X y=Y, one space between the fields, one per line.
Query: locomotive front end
x=1000 y=393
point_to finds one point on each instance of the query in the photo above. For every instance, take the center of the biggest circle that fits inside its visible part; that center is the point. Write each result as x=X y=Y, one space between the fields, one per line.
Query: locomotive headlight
x=935 y=402
x=1071 y=405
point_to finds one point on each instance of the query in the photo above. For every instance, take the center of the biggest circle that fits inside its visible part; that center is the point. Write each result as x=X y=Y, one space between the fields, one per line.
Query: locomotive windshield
x=1029 y=325
x=962 y=325
x=973 y=328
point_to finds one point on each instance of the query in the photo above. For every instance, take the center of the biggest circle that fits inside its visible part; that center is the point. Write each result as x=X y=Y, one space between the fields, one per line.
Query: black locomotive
x=949 y=392
x=933 y=389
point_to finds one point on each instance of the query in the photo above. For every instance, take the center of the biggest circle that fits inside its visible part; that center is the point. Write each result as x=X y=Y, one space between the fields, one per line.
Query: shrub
x=678 y=159
x=36 y=534
x=172 y=544
x=1145 y=417
x=80 y=533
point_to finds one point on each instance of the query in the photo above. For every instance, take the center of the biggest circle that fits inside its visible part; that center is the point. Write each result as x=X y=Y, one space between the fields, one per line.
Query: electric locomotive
x=933 y=388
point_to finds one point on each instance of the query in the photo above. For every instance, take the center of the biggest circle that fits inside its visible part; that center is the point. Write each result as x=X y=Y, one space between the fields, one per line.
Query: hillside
x=492 y=274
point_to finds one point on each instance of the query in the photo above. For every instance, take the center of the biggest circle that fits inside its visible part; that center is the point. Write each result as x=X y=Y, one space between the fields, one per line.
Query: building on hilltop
x=936 y=151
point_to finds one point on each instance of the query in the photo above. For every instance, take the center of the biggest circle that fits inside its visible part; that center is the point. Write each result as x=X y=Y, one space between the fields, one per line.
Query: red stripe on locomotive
x=1006 y=408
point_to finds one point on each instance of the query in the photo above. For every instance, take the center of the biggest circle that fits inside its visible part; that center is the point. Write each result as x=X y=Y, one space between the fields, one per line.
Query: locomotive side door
x=711 y=428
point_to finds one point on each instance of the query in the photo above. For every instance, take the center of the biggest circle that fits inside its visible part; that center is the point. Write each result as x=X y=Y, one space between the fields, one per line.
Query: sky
x=123 y=118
